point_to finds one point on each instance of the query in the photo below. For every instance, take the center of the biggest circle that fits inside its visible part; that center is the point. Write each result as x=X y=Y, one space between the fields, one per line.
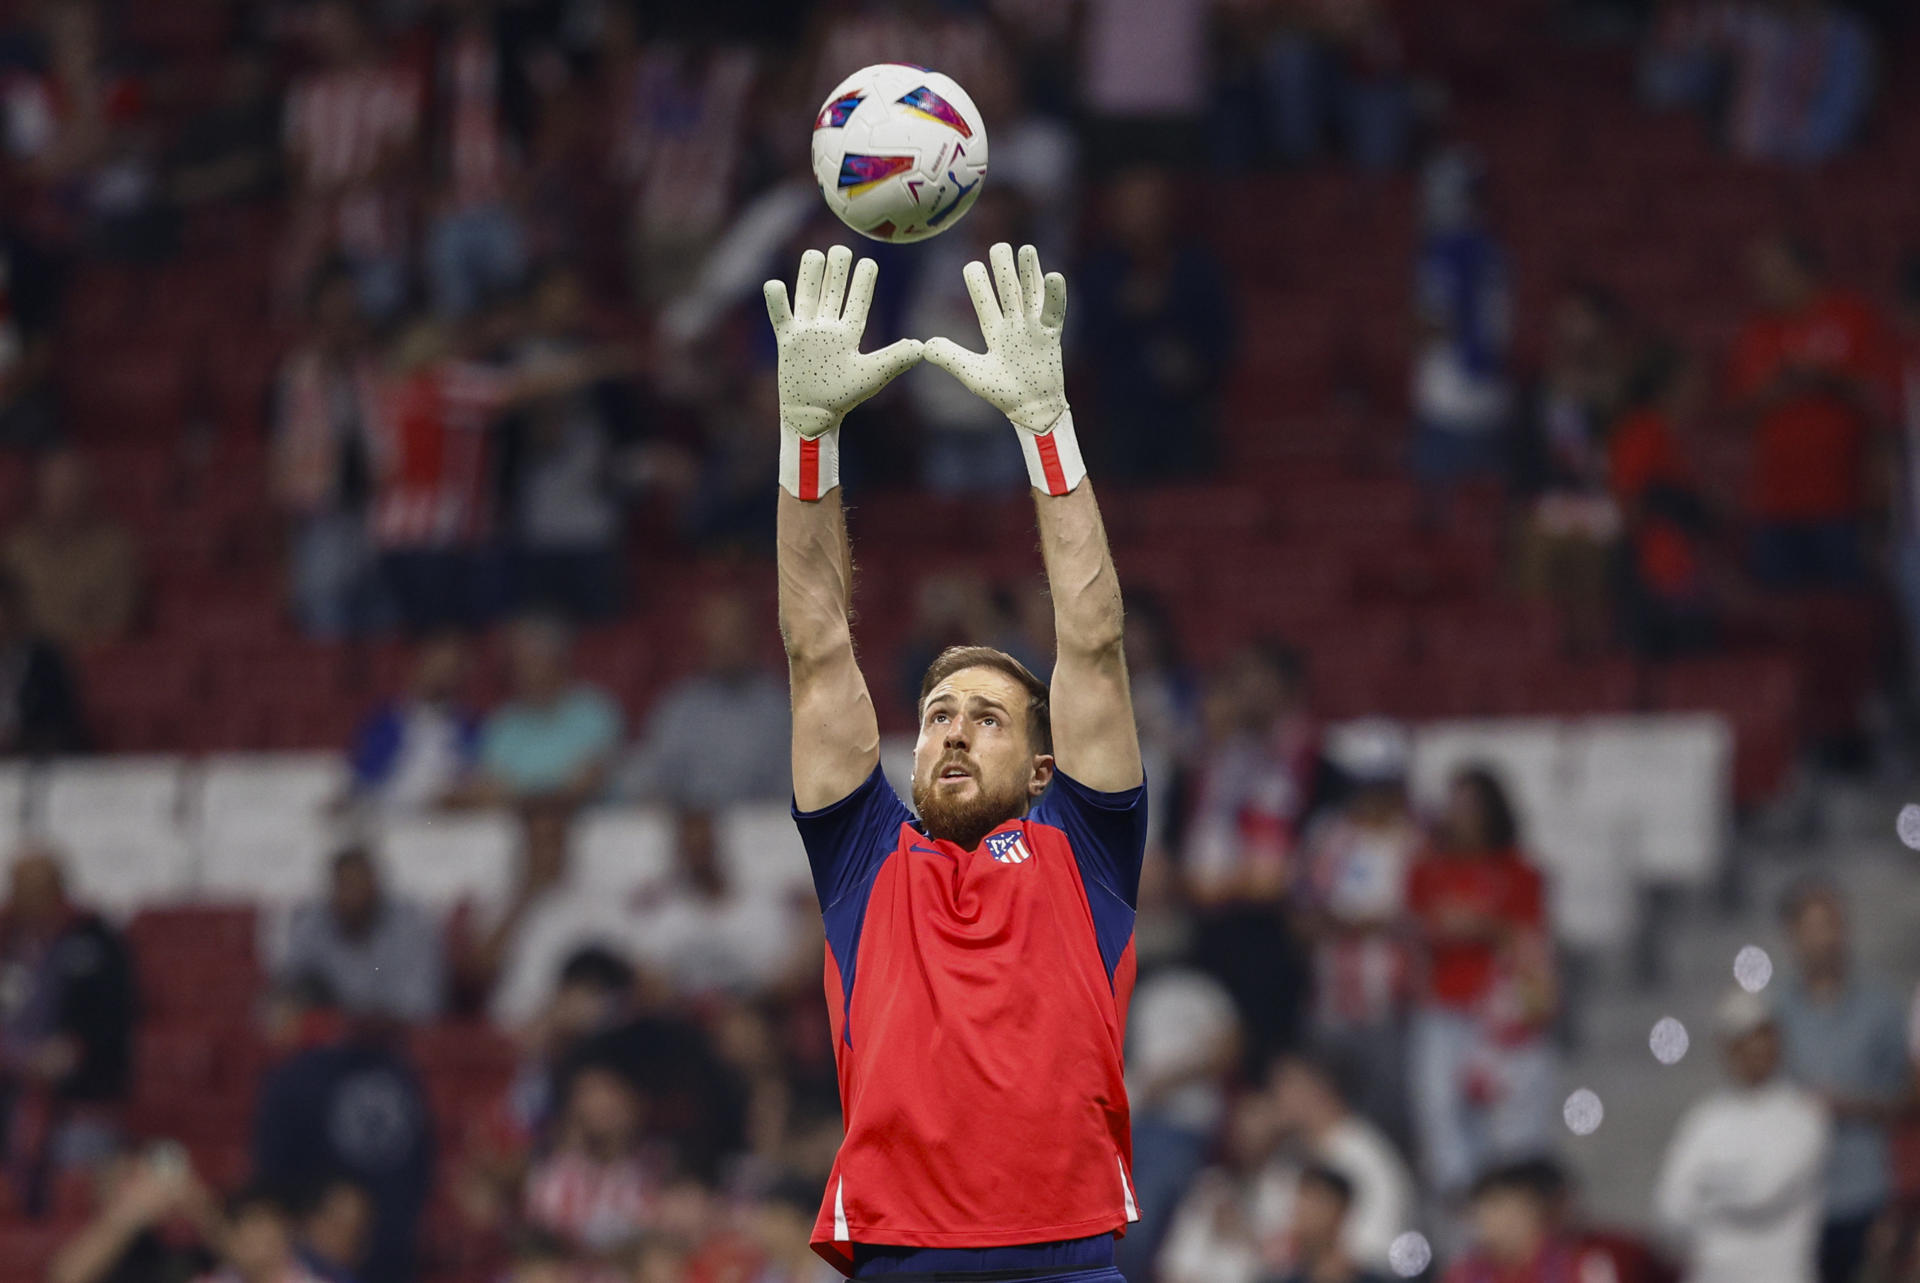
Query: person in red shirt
x=1813 y=371
x=979 y=954
x=1521 y=1235
x=1481 y=1065
x=1669 y=609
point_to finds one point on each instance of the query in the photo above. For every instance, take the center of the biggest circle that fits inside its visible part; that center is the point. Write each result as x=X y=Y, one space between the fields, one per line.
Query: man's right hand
x=823 y=372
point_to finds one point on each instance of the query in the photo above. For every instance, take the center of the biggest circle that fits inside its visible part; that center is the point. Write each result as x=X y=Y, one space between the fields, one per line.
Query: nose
x=956 y=736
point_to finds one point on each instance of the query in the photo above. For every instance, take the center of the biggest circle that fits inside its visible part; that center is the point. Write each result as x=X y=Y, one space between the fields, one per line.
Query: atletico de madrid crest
x=1009 y=847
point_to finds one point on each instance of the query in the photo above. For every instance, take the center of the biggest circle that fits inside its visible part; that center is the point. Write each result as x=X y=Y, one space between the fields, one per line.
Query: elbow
x=1097 y=641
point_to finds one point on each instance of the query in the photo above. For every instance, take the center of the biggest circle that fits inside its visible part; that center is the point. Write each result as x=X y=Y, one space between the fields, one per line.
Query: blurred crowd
x=1342 y=1053
x=517 y=252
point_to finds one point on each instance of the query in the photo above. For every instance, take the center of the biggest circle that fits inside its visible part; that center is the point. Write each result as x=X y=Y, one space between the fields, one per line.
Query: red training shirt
x=978 y=1003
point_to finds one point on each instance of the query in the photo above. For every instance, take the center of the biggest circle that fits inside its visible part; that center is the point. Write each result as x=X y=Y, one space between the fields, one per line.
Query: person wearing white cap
x=1742 y=1178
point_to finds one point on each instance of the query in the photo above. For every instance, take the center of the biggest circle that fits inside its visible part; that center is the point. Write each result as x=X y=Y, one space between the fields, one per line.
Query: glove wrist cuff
x=1054 y=464
x=809 y=466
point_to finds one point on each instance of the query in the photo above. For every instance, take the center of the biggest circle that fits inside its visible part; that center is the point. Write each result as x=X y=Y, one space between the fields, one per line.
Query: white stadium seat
x=1669 y=780
x=619 y=850
x=764 y=853
x=443 y=859
x=265 y=831
x=118 y=822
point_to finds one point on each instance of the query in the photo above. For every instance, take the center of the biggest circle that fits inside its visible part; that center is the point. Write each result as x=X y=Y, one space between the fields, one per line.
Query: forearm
x=1087 y=615
x=836 y=735
x=815 y=569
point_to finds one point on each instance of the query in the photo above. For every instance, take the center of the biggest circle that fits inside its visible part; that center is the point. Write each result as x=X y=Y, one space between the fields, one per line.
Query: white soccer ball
x=899 y=152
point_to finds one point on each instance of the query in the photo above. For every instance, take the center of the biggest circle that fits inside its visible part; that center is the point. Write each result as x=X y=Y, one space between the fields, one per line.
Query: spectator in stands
x=966 y=448
x=76 y=565
x=1843 y=1037
x=335 y=1230
x=143 y=1197
x=717 y=737
x=1352 y=895
x=379 y=955
x=71 y=120
x=476 y=243
x=1669 y=604
x=1741 y=1181
x=66 y=1024
x=1321 y=1207
x=600 y=1186
x=564 y=458
x=1183 y=1046
x=704 y=932
x=1567 y=547
x=1338 y=70
x=344 y=1100
x=1157 y=324
x=1481 y=1065
x=352 y=134
x=554 y=740
x=321 y=478
x=29 y=307
x=40 y=710
x=414 y=752
x=1789 y=80
x=1233 y=1224
x=1311 y=1109
x=511 y=959
x=1810 y=371
x=256 y=1243
x=1519 y=1233
x=229 y=151
x=1462 y=394
x=437 y=403
x=676 y=112
x=1261 y=783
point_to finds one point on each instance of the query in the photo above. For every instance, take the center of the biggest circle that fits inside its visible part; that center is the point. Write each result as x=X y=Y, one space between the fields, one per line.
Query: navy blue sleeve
x=847 y=841
x=1108 y=831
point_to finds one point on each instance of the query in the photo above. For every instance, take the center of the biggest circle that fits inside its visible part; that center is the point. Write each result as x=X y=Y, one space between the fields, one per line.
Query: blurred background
x=1507 y=420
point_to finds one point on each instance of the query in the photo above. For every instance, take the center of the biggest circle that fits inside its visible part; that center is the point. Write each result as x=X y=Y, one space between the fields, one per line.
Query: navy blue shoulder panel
x=1108 y=835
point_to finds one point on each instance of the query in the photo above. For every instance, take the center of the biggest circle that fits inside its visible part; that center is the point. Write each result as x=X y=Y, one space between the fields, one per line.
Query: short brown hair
x=954 y=658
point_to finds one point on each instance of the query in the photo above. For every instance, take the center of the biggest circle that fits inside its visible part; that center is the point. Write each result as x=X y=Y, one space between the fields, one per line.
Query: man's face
x=606 y=1113
x=1820 y=935
x=726 y=635
x=973 y=766
x=257 y=1243
x=1317 y=1216
x=442 y=670
x=355 y=893
x=36 y=895
x=537 y=659
x=1509 y=1225
x=1753 y=1057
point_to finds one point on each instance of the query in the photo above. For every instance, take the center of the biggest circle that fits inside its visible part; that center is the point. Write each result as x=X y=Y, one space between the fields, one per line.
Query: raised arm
x=823 y=374
x=1021 y=373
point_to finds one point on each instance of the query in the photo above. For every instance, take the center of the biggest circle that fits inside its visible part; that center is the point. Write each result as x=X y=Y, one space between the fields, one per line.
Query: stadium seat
x=443 y=859
x=1668 y=783
x=264 y=831
x=118 y=822
x=763 y=851
x=620 y=849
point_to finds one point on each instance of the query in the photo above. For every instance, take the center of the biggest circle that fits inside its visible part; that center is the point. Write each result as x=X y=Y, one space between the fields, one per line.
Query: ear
x=1042 y=774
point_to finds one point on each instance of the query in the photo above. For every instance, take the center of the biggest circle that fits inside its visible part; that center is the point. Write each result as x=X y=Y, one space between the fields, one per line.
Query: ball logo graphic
x=899 y=152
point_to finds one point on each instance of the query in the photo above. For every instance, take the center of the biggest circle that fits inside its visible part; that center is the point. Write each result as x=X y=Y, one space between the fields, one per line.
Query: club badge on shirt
x=1009 y=847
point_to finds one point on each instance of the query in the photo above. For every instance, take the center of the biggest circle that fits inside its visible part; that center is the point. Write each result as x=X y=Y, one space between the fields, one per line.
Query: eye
x=937 y=717
x=989 y=720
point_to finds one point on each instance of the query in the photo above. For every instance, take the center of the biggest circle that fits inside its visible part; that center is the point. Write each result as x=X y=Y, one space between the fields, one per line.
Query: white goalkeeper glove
x=1020 y=373
x=823 y=372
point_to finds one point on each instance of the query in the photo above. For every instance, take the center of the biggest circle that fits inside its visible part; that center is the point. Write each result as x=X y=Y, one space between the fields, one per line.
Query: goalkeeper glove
x=823 y=372
x=1021 y=373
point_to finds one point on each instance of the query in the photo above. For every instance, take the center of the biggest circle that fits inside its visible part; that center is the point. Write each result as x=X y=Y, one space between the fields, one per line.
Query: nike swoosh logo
x=960 y=193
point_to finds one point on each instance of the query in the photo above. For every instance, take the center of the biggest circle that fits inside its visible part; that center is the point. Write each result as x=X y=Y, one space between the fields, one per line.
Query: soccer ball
x=899 y=152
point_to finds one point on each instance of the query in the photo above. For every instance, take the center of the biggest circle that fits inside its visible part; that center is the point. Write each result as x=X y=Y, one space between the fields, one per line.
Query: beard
x=965 y=821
